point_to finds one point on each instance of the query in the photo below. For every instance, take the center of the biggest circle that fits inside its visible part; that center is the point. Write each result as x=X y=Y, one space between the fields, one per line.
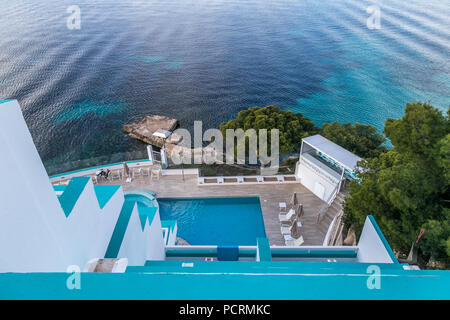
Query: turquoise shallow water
x=207 y=60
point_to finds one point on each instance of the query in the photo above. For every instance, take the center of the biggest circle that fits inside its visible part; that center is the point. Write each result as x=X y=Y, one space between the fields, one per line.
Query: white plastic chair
x=155 y=172
x=137 y=173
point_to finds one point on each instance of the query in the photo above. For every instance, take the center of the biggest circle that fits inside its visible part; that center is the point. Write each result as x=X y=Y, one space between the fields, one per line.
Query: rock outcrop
x=143 y=130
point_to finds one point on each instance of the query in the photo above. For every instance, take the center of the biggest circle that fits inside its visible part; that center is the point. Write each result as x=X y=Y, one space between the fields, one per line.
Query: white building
x=324 y=166
x=45 y=230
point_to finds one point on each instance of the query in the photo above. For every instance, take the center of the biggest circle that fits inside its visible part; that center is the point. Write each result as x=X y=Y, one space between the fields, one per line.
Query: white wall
x=31 y=217
x=35 y=235
x=310 y=173
x=370 y=247
x=155 y=241
x=88 y=228
x=133 y=243
x=140 y=245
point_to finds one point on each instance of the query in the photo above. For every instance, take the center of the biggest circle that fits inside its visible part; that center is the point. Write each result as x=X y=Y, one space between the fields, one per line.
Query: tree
x=406 y=188
x=361 y=139
x=292 y=126
x=418 y=132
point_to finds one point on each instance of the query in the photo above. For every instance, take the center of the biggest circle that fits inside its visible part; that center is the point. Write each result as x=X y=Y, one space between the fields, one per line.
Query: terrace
x=177 y=184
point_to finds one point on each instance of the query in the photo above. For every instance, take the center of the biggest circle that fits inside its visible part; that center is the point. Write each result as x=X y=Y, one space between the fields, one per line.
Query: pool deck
x=173 y=186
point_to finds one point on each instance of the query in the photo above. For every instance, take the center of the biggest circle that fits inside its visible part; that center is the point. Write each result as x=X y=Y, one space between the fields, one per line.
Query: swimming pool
x=215 y=221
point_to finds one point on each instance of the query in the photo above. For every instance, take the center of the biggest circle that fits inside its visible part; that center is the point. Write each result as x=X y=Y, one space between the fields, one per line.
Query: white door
x=319 y=190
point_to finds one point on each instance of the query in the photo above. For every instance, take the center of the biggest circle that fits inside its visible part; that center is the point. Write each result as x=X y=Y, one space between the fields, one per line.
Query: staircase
x=332 y=211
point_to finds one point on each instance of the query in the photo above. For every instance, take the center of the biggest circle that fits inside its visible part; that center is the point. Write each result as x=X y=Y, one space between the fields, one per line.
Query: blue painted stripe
x=264 y=249
x=146 y=213
x=104 y=193
x=119 y=231
x=59 y=188
x=170 y=224
x=3 y=101
x=72 y=193
x=383 y=239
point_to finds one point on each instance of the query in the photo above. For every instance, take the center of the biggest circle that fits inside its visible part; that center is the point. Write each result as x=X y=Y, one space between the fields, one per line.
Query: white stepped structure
x=41 y=231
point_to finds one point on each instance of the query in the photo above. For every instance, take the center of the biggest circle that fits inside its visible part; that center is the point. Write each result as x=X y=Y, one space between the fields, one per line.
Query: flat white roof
x=331 y=149
x=162 y=133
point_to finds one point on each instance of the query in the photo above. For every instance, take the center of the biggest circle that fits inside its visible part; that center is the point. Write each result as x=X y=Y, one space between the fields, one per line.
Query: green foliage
x=437 y=238
x=292 y=126
x=361 y=139
x=406 y=189
x=418 y=132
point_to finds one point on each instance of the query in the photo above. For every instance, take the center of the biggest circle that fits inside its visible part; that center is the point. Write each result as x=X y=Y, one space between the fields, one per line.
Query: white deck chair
x=289 y=241
x=284 y=217
x=286 y=228
x=146 y=172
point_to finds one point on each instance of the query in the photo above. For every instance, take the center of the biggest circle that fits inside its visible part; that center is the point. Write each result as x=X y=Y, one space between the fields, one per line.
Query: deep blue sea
x=207 y=60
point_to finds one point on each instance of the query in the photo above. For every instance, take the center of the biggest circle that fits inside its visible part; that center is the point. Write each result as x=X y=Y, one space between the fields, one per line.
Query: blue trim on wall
x=264 y=249
x=104 y=193
x=72 y=192
x=96 y=167
x=383 y=239
x=146 y=213
x=119 y=231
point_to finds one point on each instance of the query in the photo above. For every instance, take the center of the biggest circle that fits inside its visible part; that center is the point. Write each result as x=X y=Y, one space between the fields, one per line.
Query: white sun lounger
x=286 y=228
x=289 y=241
x=286 y=216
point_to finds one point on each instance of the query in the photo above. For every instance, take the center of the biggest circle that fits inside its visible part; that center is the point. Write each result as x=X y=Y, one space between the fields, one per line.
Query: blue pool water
x=207 y=60
x=215 y=221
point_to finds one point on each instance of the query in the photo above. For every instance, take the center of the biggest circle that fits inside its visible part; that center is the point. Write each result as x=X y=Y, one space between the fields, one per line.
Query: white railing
x=328 y=203
x=333 y=229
